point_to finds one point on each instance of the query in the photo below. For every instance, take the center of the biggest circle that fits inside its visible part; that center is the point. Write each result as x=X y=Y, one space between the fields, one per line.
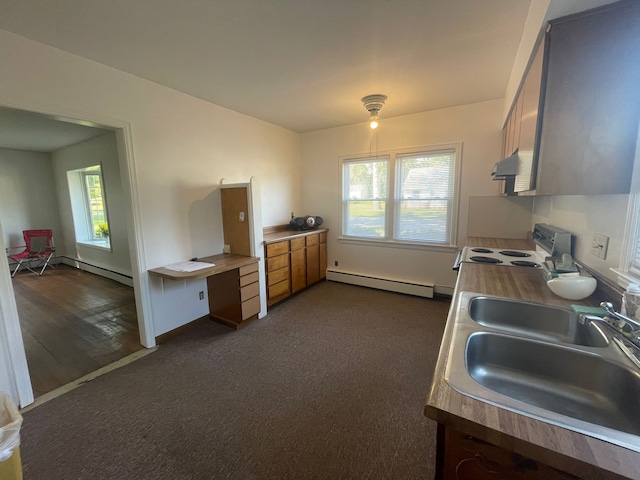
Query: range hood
x=506 y=168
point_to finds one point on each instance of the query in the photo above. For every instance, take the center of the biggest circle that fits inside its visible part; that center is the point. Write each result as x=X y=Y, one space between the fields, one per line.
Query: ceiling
x=300 y=64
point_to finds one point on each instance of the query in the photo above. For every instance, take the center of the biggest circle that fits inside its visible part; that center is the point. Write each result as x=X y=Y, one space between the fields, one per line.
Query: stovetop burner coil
x=481 y=250
x=514 y=253
x=482 y=259
x=524 y=263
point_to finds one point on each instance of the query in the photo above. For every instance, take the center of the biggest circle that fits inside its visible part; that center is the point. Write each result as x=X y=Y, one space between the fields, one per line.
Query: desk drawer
x=249 y=291
x=247 y=269
x=251 y=278
x=279 y=248
x=250 y=307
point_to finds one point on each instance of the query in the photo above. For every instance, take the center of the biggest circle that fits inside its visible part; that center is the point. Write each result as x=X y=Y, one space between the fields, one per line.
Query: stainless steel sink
x=535 y=320
x=522 y=361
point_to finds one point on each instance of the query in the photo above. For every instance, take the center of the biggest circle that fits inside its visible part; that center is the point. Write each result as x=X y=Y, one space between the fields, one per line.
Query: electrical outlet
x=226 y=249
x=336 y=263
x=201 y=295
x=599 y=246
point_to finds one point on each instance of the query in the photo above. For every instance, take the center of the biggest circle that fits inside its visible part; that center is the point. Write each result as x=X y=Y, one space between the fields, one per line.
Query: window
x=365 y=197
x=401 y=197
x=629 y=270
x=88 y=205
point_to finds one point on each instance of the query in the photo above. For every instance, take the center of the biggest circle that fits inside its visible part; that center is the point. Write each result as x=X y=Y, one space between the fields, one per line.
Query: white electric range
x=549 y=240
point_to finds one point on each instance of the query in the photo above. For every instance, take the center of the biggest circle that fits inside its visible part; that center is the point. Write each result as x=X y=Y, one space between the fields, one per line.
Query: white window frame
x=81 y=209
x=628 y=272
x=390 y=223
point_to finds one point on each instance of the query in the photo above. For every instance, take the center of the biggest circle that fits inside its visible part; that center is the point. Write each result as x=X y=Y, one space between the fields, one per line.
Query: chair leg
x=45 y=264
x=17 y=268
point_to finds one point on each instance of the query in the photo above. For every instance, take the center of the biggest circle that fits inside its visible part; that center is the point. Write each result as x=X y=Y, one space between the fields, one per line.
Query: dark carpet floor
x=331 y=384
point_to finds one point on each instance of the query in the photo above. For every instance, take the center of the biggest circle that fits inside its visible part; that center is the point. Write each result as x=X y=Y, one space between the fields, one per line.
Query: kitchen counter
x=557 y=447
x=278 y=235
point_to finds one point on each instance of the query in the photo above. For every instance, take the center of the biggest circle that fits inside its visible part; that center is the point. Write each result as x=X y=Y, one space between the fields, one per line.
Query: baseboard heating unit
x=399 y=286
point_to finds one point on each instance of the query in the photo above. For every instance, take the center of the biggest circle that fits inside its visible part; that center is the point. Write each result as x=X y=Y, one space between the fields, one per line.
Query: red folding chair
x=37 y=252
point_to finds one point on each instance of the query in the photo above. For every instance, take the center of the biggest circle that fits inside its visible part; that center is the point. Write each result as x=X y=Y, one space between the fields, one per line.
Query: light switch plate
x=599 y=246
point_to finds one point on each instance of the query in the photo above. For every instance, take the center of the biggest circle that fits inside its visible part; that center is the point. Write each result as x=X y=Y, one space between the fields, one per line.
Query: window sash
x=424 y=196
x=364 y=197
x=95 y=204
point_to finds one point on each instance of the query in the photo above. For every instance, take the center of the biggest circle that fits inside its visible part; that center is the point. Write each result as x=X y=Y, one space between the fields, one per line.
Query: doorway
x=29 y=291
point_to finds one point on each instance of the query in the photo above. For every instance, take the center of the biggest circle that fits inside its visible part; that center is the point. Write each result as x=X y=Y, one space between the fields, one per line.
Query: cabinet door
x=528 y=144
x=298 y=270
x=313 y=264
x=591 y=106
x=323 y=260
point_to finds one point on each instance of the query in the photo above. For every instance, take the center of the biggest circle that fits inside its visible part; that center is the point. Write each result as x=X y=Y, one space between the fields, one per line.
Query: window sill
x=625 y=278
x=97 y=244
x=399 y=244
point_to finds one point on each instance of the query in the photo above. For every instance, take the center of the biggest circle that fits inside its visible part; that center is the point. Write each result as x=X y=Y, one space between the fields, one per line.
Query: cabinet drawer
x=312 y=239
x=250 y=307
x=279 y=289
x=249 y=291
x=279 y=248
x=323 y=237
x=247 y=269
x=278 y=276
x=297 y=243
x=278 y=262
x=247 y=279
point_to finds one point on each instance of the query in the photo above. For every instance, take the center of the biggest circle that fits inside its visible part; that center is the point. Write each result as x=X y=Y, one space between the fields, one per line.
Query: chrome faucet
x=619 y=323
x=633 y=324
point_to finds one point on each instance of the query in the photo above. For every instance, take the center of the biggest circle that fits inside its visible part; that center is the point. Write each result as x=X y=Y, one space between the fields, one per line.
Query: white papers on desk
x=189 y=266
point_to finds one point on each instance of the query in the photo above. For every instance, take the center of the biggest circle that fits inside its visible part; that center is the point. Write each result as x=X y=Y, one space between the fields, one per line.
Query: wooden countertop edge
x=279 y=236
x=558 y=447
x=223 y=263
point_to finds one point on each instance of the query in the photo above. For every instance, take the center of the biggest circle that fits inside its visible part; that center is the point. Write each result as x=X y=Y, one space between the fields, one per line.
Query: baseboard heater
x=398 y=286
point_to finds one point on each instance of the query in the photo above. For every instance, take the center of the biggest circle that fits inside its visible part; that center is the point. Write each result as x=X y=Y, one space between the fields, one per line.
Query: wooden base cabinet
x=294 y=264
x=469 y=458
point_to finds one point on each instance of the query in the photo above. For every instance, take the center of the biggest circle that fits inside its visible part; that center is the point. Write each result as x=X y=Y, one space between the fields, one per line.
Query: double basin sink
x=541 y=361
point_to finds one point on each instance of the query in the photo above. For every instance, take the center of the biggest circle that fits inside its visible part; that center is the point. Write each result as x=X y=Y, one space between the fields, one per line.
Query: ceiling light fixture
x=373 y=104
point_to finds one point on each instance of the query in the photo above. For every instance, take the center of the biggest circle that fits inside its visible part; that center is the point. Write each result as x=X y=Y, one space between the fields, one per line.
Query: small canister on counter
x=631 y=301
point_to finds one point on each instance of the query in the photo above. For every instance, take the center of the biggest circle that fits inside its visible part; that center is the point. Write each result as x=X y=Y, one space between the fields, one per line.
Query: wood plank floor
x=73 y=323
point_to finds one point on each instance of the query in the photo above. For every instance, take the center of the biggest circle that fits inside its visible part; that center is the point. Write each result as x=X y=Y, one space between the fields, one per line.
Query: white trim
x=11 y=338
x=95 y=244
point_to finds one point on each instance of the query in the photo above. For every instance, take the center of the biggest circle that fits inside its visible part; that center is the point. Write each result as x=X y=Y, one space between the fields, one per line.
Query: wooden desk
x=233 y=286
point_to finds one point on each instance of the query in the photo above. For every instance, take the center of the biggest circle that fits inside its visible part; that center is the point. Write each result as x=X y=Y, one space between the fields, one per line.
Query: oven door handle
x=456 y=264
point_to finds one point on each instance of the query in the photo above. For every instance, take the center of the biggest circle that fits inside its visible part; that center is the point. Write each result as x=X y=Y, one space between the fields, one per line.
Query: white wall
x=584 y=215
x=181 y=147
x=27 y=195
x=100 y=150
x=477 y=126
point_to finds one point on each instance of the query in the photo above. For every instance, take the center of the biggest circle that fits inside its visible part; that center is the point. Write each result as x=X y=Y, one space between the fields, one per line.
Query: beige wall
x=476 y=126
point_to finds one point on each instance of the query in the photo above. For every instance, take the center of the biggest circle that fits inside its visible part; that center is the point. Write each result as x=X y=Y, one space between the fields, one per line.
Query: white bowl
x=572 y=286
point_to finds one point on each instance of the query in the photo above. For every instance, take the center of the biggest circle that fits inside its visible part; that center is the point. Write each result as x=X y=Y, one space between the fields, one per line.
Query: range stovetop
x=505 y=257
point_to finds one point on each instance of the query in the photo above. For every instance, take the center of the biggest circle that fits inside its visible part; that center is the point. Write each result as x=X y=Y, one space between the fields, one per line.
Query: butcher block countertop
x=572 y=452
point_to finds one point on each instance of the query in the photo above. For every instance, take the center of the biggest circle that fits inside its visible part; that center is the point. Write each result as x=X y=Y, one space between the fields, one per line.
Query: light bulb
x=373 y=122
